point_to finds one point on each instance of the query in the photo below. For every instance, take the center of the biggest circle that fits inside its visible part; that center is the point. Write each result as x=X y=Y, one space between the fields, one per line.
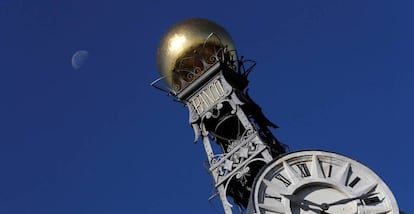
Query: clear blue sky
x=334 y=75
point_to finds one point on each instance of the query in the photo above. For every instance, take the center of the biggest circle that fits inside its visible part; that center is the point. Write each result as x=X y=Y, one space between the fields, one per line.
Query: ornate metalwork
x=192 y=44
x=195 y=62
x=232 y=162
x=198 y=62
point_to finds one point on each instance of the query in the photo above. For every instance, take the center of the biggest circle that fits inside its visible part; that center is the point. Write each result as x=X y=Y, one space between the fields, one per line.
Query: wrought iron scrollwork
x=198 y=60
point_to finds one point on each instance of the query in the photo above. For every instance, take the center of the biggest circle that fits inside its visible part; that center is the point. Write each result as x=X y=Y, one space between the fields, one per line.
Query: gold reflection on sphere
x=185 y=38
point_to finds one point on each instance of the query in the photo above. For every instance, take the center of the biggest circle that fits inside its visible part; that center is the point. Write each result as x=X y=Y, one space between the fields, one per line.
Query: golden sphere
x=185 y=39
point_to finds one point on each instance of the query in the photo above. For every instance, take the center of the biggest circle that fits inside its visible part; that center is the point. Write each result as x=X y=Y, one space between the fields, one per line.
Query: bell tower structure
x=199 y=67
x=198 y=62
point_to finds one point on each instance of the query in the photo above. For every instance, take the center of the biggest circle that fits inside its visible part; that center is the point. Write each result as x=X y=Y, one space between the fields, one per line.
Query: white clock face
x=321 y=182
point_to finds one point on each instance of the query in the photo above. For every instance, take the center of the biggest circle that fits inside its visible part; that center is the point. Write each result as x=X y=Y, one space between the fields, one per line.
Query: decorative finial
x=189 y=48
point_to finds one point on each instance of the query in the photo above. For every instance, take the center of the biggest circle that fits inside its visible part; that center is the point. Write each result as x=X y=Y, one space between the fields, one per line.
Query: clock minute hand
x=346 y=200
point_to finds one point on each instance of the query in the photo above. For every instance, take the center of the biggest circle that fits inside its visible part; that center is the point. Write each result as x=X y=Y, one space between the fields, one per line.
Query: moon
x=79 y=58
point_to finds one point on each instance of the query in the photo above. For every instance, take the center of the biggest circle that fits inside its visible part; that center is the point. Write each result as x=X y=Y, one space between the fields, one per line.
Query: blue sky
x=334 y=75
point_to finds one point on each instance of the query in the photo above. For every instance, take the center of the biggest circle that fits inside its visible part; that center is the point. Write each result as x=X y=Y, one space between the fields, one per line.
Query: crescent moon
x=79 y=58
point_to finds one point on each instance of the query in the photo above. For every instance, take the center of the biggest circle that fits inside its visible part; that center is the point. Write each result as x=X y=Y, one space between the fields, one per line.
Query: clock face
x=320 y=182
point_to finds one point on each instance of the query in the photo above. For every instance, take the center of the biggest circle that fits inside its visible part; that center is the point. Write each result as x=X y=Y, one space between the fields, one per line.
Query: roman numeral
x=329 y=171
x=372 y=200
x=274 y=197
x=283 y=179
x=303 y=169
x=354 y=182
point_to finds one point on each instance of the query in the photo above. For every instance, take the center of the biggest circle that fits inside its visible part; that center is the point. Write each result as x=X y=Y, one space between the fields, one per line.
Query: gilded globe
x=188 y=47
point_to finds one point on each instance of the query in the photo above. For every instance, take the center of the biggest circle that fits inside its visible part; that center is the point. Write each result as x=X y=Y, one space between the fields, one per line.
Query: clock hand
x=346 y=200
x=315 y=210
x=301 y=201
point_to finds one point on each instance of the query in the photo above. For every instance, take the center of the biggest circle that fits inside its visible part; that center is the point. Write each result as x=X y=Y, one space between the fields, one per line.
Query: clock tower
x=200 y=67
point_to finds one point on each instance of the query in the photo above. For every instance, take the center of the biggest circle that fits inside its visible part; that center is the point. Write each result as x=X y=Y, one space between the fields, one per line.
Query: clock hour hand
x=301 y=201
